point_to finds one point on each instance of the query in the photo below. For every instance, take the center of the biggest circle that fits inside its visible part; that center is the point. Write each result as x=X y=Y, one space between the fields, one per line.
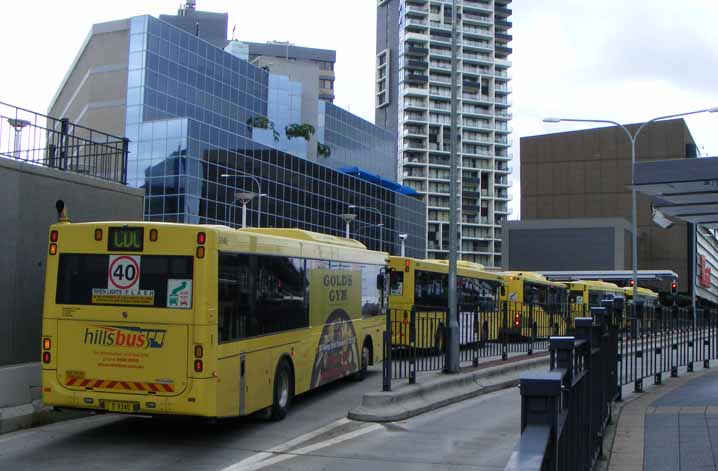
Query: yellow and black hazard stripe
x=120 y=385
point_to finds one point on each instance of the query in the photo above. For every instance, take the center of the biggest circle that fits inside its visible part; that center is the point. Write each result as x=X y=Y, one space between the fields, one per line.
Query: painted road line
x=306 y=450
x=287 y=445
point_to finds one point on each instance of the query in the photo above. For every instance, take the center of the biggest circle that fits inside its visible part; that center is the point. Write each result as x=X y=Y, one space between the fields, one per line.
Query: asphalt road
x=475 y=434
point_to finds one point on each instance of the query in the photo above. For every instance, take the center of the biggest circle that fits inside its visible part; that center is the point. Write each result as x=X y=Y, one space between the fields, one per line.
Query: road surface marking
x=287 y=445
x=256 y=465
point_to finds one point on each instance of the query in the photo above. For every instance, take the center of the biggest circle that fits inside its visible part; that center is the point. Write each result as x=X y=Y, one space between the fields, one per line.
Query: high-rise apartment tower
x=413 y=100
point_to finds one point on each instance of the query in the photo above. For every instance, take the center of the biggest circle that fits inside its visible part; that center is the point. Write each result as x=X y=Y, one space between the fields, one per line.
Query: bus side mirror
x=380 y=282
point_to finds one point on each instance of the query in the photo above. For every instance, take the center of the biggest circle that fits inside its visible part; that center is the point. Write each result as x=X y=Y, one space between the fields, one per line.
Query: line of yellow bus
x=161 y=318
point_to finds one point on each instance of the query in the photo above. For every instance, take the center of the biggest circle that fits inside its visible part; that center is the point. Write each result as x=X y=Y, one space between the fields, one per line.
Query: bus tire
x=365 y=360
x=283 y=390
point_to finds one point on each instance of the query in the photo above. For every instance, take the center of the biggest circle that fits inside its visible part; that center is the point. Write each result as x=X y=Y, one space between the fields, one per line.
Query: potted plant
x=299 y=130
x=323 y=150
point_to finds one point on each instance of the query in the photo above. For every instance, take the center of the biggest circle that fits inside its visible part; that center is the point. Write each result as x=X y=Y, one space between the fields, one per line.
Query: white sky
x=624 y=60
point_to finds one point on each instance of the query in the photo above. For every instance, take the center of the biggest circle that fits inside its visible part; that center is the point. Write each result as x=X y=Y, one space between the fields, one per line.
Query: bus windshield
x=157 y=281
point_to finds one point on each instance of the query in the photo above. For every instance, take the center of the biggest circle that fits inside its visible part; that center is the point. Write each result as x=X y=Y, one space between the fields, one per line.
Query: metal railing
x=45 y=141
x=415 y=339
x=565 y=411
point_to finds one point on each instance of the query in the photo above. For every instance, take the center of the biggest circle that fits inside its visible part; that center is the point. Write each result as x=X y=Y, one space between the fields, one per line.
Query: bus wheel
x=365 y=355
x=283 y=390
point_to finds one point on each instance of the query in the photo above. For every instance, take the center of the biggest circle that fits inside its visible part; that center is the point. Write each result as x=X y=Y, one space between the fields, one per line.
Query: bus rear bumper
x=195 y=400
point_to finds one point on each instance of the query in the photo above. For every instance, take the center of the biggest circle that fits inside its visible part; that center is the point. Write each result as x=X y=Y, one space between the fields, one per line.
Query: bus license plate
x=122 y=406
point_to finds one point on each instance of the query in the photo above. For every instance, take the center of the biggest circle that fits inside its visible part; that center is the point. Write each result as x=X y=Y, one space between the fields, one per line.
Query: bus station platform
x=668 y=427
x=433 y=390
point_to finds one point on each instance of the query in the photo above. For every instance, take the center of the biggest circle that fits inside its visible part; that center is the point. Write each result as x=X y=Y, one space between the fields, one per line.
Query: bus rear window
x=125 y=280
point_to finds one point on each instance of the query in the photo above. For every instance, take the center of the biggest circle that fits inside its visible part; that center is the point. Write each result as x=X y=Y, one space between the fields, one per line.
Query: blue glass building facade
x=355 y=142
x=188 y=108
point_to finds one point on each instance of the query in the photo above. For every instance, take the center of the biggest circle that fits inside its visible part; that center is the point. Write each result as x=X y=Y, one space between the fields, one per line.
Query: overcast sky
x=624 y=60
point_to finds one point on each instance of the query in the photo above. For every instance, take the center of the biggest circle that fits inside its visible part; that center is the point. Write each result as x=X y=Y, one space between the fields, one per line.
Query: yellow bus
x=585 y=294
x=423 y=285
x=537 y=307
x=161 y=318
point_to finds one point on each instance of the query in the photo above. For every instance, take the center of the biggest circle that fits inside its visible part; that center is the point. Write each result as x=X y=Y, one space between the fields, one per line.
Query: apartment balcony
x=502 y=141
x=503 y=130
x=503 y=24
x=413 y=145
x=475 y=31
x=421 y=11
x=441 y=52
x=478 y=5
x=503 y=115
x=474 y=18
x=471 y=85
x=478 y=45
x=414 y=131
x=502 y=62
x=503 y=50
x=438 y=25
x=502 y=89
x=504 y=36
x=416 y=51
x=436 y=147
x=440 y=39
x=415 y=78
x=477 y=58
x=408 y=90
x=415 y=22
x=478 y=98
x=416 y=64
x=502 y=12
x=417 y=37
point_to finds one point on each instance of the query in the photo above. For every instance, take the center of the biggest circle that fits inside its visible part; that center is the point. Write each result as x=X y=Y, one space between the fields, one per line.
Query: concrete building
x=413 y=90
x=573 y=175
x=205 y=125
x=286 y=56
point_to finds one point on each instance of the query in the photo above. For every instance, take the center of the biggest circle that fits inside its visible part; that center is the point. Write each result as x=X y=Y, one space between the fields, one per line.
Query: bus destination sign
x=125 y=239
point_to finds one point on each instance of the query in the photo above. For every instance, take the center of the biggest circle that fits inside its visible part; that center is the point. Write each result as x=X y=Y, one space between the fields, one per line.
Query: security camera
x=403 y=236
x=661 y=219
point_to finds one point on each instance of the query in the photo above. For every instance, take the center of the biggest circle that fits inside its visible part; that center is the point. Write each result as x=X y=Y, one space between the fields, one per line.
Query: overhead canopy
x=682 y=189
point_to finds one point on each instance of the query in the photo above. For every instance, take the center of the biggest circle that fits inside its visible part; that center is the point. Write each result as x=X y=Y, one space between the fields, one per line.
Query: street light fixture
x=632 y=138
x=403 y=240
x=348 y=218
x=244 y=199
x=255 y=180
x=380 y=225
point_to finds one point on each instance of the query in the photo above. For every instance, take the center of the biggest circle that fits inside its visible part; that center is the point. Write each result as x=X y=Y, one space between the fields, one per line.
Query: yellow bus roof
x=301 y=234
x=628 y=290
x=532 y=277
x=596 y=285
x=464 y=268
x=259 y=240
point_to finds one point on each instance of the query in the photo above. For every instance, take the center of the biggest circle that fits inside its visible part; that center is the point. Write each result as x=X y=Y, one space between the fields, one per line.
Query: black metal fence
x=564 y=412
x=416 y=338
x=58 y=143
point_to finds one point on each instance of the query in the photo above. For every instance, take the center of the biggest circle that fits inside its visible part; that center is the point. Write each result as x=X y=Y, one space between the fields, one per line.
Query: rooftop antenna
x=233 y=29
x=196 y=28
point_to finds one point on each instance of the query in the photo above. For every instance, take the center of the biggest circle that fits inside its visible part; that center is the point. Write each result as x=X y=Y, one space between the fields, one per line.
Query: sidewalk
x=434 y=390
x=670 y=427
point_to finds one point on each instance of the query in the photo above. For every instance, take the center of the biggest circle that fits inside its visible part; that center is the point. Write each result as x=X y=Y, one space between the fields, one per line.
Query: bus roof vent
x=300 y=234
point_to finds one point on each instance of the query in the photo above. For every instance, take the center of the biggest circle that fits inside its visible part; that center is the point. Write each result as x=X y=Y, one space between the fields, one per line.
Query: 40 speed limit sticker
x=124 y=272
x=123 y=283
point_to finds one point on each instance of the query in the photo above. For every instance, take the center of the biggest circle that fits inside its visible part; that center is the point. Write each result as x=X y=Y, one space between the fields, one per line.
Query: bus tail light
x=54 y=236
x=53 y=249
x=407 y=265
x=517 y=320
x=98 y=234
x=198 y=350
x=46 y=357
x=198 y=366
x=46 y=343
x=200 y=252
x=201 y=238
x=153 y=235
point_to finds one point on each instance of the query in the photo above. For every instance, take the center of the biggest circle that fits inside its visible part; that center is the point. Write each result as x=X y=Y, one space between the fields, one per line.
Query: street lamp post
x=380 y=225
x=348 y=218
x=403 y=240
x=634 y=224
x=255 y=180
x=244 y=199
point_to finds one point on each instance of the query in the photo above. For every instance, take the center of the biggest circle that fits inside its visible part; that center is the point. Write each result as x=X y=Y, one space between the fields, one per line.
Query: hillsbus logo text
x=133 y=337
